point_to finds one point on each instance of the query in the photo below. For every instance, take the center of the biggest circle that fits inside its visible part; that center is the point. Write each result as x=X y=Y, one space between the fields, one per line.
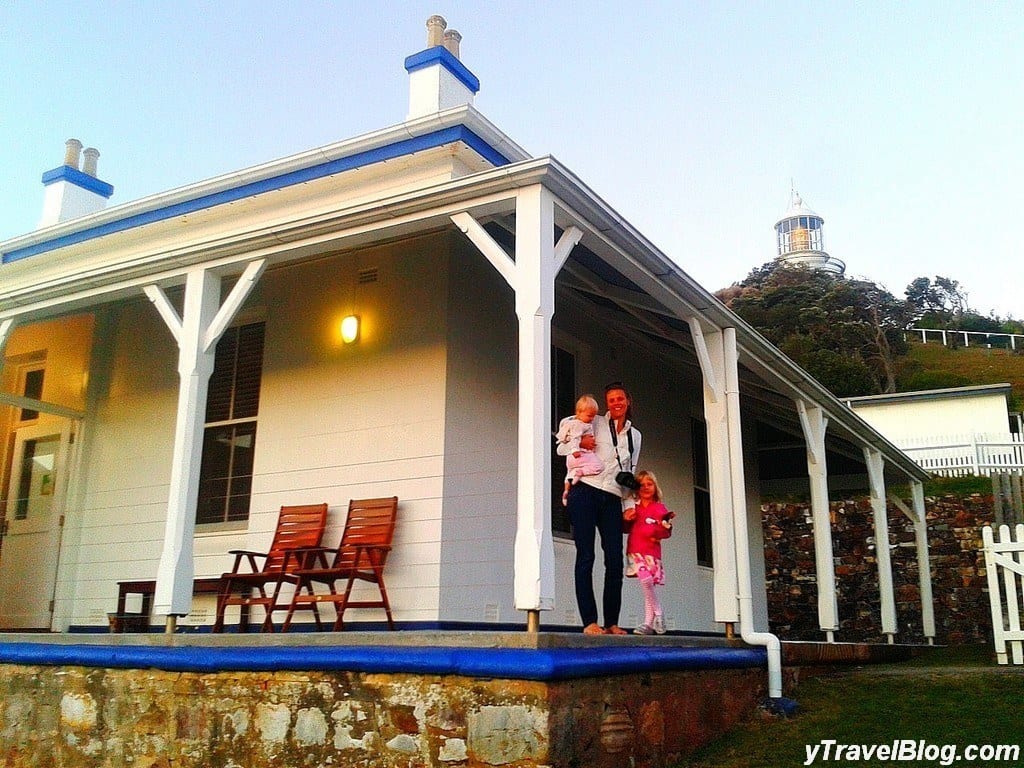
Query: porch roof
x=112 y=254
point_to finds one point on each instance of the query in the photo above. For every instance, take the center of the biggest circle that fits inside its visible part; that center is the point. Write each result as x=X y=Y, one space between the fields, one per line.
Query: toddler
x=649 y=523
x=579 y=462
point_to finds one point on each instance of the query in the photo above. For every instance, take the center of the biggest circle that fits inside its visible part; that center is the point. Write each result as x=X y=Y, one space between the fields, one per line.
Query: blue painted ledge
x=514 y=663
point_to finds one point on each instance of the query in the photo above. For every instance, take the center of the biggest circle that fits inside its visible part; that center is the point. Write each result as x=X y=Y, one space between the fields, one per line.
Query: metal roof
x=797 y=208
x=83 y=273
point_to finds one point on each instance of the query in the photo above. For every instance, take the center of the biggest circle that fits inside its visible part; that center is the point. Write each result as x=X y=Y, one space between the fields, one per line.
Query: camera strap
x=615 y=444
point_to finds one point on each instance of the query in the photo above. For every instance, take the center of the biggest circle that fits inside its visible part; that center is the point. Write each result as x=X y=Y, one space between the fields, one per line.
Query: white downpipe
x=739 y=517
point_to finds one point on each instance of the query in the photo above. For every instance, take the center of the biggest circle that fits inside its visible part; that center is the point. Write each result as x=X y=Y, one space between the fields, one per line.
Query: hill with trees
x=850 y=333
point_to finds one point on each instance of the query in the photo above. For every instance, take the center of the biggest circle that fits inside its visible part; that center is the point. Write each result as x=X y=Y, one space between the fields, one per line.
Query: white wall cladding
x=902 y=421
x=339 y=421
x=664 y=400
x=336 y=422
x=115 y=525
x=480 y=447
x=479 y=520
x=422 y=407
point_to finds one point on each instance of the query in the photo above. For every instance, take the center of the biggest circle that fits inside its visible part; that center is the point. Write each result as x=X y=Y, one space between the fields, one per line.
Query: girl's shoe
x=658 y=625
x=644 y=629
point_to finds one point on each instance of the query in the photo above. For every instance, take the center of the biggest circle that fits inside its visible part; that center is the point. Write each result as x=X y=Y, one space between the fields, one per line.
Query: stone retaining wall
x=76 y=717
x=959 y=584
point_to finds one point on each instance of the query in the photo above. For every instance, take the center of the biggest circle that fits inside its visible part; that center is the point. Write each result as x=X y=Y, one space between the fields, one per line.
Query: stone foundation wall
x=959 y=586
x=75 y=717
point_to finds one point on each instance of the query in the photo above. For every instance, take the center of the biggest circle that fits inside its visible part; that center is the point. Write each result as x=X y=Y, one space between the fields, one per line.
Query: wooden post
x=876 y=480
x=533 y=622
x=531 y=276
x=1017 y=494
x=534 y=576
x=814 y=424
x=716 y=419
x=923 y=562
x=1006 y=499
x=196 y=332
x=997 y=499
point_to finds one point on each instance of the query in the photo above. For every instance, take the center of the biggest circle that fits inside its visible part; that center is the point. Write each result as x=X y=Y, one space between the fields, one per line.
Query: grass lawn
x=951 y=697
x=933 y=366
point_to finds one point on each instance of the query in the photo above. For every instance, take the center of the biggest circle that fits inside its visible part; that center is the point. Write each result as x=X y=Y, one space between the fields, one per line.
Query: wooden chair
x=249 y=583
x=361 y=555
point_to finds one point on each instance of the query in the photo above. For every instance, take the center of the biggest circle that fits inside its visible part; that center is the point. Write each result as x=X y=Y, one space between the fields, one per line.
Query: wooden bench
x=139 y=621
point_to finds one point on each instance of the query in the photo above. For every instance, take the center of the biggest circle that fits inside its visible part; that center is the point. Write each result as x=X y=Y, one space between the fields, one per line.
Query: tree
x=941 y=303
x=847 y=333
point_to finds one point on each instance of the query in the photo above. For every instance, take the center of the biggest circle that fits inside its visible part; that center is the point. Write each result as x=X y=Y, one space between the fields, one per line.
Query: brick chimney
x=70 y=192
x=437 y=79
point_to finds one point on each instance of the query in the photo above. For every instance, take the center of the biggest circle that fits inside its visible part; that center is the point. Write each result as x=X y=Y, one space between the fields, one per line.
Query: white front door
x=32 y=527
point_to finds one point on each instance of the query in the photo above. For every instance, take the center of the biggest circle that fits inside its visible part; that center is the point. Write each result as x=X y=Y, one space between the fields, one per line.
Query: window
x=563 y=403
x=32 y=386
x=701 y=493
x=229 y=443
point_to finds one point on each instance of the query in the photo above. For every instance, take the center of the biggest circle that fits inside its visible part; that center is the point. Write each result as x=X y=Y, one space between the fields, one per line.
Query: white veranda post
x=532 y=276
x=535 y=305
x=814 y=424
x=918 y=517
x=196 y=331
x=924 y=569
x=711 y=356
x=876 y=480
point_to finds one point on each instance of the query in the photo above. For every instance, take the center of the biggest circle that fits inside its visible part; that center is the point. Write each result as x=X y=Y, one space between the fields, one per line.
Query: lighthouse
x=800 y=239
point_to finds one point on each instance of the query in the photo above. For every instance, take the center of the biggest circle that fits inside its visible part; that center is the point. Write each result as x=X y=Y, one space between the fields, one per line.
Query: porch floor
x=543 y=655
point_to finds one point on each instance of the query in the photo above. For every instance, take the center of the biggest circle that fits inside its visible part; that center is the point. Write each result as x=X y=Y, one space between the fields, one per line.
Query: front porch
x=491 y=290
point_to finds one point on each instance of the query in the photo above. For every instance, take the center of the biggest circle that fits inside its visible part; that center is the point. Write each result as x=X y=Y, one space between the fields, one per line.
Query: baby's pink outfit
x=570 y=430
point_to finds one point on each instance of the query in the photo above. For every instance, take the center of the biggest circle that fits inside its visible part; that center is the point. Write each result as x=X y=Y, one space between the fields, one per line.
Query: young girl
x=579 y=462
x=652 y=523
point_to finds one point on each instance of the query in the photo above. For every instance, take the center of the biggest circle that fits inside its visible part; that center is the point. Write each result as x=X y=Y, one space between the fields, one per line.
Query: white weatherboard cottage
x=952 y=431
x=905 y=417
x=491 y=288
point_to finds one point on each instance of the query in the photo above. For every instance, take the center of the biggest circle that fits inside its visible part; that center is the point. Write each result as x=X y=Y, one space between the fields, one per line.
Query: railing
x=1011 y=341
x=974 y=454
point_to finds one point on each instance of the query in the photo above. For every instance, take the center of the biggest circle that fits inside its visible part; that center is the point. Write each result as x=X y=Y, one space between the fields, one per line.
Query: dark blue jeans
x=593 y=510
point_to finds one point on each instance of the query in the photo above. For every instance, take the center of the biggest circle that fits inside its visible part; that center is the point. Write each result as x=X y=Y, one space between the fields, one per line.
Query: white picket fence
x=973 y=454
x=1005 y=570
x=1012 y=341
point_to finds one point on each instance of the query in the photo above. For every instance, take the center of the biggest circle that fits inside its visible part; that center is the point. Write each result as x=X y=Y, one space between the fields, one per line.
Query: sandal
x=593 y=629
x=615 y=629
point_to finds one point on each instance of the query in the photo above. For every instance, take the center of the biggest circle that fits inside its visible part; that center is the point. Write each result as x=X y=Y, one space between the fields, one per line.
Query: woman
x=596 y=505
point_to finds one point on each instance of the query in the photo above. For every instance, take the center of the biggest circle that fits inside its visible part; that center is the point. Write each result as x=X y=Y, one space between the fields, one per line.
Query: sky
x=902 y=124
